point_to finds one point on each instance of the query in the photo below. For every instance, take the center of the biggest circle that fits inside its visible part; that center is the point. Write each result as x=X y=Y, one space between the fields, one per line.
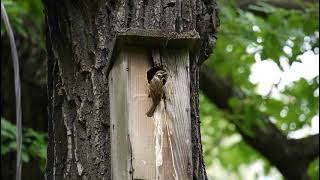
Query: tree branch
x=308 y=146
x=216 y=88
x=290 y=156
x=286 y=4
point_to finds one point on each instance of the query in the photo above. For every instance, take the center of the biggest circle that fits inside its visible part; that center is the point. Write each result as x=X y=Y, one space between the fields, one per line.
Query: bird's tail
x=151 y=111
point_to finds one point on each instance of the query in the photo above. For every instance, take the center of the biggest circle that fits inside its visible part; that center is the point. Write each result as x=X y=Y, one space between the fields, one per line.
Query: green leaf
x=313 y=169
x=25 y=157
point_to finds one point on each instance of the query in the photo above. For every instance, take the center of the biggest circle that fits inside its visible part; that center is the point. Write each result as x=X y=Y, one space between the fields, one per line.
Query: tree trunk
x=79 y=40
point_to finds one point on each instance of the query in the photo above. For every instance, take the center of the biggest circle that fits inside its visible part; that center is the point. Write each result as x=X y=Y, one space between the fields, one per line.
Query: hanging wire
x=17 y=89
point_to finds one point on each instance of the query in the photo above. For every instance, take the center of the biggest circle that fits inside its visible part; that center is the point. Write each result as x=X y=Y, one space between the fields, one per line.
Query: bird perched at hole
x=156 y=91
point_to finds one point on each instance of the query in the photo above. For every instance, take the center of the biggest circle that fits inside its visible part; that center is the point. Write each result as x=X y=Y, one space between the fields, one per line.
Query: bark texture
x=79 y=40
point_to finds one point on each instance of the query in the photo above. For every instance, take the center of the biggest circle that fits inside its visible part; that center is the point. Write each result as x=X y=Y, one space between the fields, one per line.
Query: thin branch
x=286 y=4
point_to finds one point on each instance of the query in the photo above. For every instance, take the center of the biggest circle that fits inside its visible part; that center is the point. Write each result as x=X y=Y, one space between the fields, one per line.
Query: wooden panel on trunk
x=140 y=126
x=119 y=114
x=176 y=62
x=158 y=147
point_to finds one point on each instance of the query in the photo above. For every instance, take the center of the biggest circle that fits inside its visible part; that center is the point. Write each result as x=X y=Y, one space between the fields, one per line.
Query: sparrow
x=156 y=90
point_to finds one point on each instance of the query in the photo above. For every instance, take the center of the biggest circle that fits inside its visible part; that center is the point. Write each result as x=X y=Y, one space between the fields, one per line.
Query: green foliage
x=301 y=107
x=26 y=18
x=222 y=142
x=313 y=170
x=8 y=137
x=245 y=38
x=34 y=143
x=214 y=127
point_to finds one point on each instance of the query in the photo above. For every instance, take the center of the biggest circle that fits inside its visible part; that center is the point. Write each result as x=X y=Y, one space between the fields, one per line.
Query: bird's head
x=163 y=75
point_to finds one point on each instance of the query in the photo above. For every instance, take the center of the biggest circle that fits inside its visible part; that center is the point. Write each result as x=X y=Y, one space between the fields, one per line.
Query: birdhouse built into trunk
x=157 y=147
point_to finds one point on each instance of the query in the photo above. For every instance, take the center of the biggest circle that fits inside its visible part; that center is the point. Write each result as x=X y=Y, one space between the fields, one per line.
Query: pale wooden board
x=166 y=171
x=176 y=62
x=133 y=135
x=119 y=115
x=141 y=127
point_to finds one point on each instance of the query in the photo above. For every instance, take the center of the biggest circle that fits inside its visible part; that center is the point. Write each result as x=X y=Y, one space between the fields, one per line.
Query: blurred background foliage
x=257 y=33
x=245 y=38
x=34 y=143
x=27 y=21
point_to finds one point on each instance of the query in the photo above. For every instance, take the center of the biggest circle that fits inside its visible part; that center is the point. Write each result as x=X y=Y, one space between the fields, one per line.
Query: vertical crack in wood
x=170 y=144
x=156 y=58
x=131 y=170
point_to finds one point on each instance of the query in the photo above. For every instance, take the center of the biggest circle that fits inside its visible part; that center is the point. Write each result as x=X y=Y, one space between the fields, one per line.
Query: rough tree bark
x=79 y=38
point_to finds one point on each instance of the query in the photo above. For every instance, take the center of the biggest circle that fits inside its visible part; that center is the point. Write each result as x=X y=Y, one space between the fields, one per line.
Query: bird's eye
x=164 y=81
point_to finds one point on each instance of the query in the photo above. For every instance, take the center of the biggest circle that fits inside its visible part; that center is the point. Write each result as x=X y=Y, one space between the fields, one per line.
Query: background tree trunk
x=79 y=39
